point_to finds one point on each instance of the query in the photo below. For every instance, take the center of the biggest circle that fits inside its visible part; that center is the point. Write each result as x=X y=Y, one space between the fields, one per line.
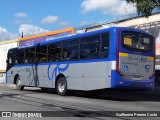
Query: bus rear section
x=134 y=61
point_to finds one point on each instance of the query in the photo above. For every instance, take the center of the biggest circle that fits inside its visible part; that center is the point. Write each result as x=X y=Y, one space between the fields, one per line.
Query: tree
x=145 y=7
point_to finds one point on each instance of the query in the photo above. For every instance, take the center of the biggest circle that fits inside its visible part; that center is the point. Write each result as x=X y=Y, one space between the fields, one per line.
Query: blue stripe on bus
x=67 y=62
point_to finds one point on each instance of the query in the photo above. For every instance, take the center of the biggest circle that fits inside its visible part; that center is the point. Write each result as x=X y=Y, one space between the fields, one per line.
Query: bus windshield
x=137 y=41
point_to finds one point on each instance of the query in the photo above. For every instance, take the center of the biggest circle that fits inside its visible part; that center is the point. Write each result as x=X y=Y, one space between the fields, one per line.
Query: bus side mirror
x=7 y=61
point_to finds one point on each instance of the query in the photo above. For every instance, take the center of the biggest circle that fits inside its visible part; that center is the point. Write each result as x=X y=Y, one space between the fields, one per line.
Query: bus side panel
x=26 y=73
x=47 y=74
x=79 y=76
x=75 y=76
x=44 y=80
x=96 y=75
x=10 y=75
x=35 y=75
x=89 y=76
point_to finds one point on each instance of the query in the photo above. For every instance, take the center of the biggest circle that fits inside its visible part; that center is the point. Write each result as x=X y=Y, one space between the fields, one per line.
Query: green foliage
x=145 y=7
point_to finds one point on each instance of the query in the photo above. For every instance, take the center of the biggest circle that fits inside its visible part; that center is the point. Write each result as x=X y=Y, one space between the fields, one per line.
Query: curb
x=2 y=84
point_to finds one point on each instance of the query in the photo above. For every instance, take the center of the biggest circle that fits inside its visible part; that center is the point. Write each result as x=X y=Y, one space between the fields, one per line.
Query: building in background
x=34 y=39
x=4 y=47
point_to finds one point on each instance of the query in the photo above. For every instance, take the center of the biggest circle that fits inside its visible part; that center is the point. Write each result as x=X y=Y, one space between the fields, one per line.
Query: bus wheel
x=18 y=84
x=61 y=86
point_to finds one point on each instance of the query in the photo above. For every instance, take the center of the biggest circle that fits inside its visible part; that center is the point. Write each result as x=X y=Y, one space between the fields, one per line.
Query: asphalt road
x=78 y=105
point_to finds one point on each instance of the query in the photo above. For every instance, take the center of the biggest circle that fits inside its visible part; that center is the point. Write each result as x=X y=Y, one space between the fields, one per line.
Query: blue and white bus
x=116 y=57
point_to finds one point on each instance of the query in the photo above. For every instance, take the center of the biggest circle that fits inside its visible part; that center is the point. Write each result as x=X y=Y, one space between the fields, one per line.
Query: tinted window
x=54 y=52
x=137 y=41
x=105 y=45
x=70 y=50
x=89 y=47
x=41 y=54
x=19 y=56
x=11 y=57
x=29 y=55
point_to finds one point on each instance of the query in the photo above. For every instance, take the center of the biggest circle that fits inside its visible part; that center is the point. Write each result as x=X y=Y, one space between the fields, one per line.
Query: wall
x=4 y=47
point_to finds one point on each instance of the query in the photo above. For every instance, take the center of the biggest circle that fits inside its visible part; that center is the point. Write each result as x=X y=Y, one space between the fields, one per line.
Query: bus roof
x=74 y=36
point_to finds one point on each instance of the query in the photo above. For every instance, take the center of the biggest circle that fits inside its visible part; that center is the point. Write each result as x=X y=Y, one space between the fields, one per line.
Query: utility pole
x=21 y=34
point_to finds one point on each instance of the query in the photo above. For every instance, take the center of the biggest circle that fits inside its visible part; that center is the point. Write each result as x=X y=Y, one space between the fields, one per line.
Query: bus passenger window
x=41 y=54
x=70 y=50
x=19 y=56
x=105 y=44
x=54 y=52
x=65 y=55
x=90 y=47
x=10 y=59
x=29 y=55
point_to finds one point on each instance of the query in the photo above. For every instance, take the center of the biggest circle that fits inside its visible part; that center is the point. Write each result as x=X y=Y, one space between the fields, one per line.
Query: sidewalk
x=6 y=85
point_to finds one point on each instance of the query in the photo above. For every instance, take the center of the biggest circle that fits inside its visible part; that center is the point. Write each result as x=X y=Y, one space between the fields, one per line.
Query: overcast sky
x=37 y=16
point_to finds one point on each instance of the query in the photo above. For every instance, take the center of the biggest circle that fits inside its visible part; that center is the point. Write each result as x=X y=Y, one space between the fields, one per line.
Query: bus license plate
x=137 y=84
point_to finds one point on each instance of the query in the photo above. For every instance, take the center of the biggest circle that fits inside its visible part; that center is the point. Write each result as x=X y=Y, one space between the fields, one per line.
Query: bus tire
x=18 y=84
x=61 y=86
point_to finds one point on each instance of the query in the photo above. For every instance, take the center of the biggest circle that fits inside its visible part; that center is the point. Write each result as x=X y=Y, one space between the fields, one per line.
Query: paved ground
x=32 y=99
